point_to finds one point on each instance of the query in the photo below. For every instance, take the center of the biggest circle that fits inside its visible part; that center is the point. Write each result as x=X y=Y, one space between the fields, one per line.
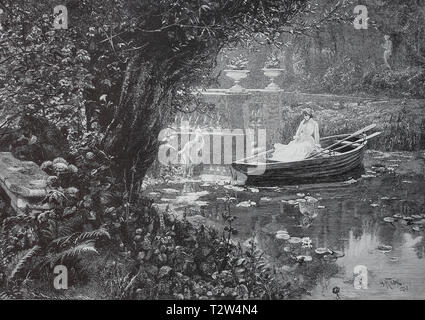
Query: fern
x=20 y=266
x=66 y=229
x=76 y=238
x=10 y=222
x=63 y=241
x=75 y=252
x=6 y=296
x=93 y=235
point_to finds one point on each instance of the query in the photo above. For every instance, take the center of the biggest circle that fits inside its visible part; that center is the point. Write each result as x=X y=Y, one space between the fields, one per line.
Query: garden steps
x=23 y=182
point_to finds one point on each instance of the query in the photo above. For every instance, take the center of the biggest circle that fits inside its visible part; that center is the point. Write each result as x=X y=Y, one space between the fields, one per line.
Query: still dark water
x=352 y=222
x=348 y=218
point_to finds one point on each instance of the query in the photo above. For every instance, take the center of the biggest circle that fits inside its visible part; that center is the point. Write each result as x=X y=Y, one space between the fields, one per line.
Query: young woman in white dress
x=306 y=140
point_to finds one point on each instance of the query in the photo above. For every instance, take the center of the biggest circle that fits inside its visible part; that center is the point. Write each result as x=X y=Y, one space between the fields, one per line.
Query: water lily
x=311 y=200
x=304 y=258
x=306 y=242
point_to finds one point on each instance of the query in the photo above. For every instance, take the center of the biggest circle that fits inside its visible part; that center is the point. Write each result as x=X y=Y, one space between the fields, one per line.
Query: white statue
x=388 y=46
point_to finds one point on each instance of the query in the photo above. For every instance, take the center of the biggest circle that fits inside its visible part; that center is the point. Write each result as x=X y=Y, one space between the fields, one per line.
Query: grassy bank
x=402 y=122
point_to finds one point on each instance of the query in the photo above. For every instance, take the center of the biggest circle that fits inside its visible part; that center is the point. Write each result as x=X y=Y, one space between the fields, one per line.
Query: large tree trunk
x=144 y=107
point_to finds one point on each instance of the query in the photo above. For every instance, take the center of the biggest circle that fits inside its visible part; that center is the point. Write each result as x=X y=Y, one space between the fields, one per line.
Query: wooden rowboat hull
x=323 y=169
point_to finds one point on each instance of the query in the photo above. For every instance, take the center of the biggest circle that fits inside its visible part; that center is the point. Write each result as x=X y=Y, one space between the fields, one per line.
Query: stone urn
x=237 y=76
x=272 y=73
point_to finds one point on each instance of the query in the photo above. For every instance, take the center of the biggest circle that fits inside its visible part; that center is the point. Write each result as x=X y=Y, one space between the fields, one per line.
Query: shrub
x=405 y=82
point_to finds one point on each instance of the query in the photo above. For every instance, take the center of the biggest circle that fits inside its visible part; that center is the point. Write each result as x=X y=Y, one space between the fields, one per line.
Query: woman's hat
x=308 y=111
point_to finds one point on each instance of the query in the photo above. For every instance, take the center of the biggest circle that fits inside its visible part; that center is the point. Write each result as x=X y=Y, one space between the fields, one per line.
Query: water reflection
x=351 y=222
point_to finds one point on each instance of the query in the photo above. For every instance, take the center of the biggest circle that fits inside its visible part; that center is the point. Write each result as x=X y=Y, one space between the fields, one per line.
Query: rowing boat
x=343 y=157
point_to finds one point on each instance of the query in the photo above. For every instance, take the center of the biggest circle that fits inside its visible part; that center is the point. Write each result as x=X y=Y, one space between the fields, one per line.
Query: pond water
x=349 y=224
x=346 y=218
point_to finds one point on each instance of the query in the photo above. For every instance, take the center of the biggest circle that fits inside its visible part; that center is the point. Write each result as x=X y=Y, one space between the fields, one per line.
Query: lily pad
x=368 y=176
x=384 y=248
x=389 y=219
x=282 y=232
x=329 y=258
x=397 y=216
x=234 y=188
x=265 y=199
x=246 y=204
x=351 y=181
x=322 y=250
x=295 y=240
x=283 y=236
x=170 y=191
x=338 y=254
x=154 y=194
x=416 y=216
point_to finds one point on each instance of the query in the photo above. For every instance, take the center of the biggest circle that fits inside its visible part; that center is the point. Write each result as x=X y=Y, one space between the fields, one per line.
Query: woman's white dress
x=305 y=141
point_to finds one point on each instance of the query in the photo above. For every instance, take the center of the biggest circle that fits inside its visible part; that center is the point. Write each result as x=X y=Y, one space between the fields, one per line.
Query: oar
x=363 y=139
x=353 y=142
x=255 y=156
x=369 y=127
